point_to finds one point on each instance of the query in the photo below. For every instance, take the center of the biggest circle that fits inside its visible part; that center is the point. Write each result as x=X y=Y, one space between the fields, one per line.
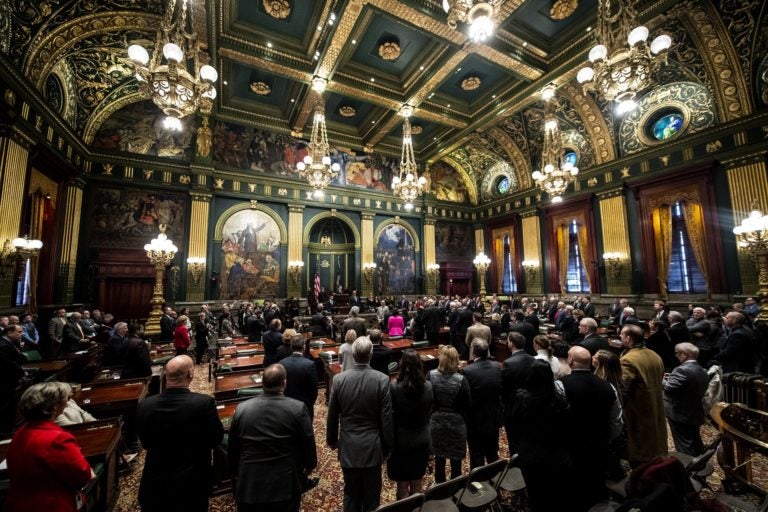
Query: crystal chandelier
x=556 y=173
x=623 y=61
x=173 y=77
x=408 y=185
x=479 y=16
x=317 y=167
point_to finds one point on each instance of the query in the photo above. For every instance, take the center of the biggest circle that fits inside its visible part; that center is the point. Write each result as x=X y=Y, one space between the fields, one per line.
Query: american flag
x=317 y=285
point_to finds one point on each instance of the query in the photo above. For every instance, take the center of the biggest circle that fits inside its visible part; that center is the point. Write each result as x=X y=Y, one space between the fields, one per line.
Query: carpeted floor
x=327 y=496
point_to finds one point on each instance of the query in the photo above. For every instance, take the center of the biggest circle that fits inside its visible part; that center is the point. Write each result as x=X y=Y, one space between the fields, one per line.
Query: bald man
x=596 y=420
x=178 y=428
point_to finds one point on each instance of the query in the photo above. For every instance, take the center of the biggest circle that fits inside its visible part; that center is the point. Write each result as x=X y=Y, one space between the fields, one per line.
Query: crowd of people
x=613 y=398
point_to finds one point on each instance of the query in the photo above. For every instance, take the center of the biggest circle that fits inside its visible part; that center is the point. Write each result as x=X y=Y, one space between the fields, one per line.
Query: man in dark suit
x=271 y=448
x=302 y=375
x=382 y=355
x=11 y=372
x=178 y=429
x=403 y=304
x=353 y=322
x=531 y=317
x=431 y=321
x=592 y=341
x=660 y=311
x=519 y=324
x=255 y=327
x=167 y=325
x=514 y=373
x=74 y=337
x=596 y=420
x=738 y=351
x=331 y=306
x=683 y=390
x=587 y=307
x=355 y=300
x=616 y=311
x=361 y=402
x=485 y=416
x=698 y=326
x=319 y=322
x=272 y=340
x=678 y=331
x=56 y=331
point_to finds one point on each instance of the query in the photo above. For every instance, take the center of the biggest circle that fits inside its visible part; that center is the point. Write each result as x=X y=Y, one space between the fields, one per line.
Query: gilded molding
x=466 y=177
x=43 y=57
x=328 y=214
x=120 y=97
x=593 y=121
x=406 y=225
x=520 y=163
x=712 y=40
x=226 y=214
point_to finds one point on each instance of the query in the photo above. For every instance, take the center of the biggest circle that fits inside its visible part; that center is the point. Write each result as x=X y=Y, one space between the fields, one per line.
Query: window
x=684 y=274
x=502 y=186
x=508 y=282
x=570 y=157
x=22 y=284
x=667 y=126
x=576 y=278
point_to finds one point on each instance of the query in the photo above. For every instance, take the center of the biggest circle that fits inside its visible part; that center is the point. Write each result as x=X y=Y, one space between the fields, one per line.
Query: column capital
x=296 y=208
x=201 y=196
x=430 y=221
x=533 y=212
x=77 y=183
x=18 y=134
x=614 y=192
x=367 y=215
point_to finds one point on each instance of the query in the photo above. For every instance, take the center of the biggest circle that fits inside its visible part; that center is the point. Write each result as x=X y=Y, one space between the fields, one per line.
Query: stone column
x=198 y=244
x=615 y=233
x=430 y=257
x=366 y=251
x=296 y=249
x=70 y=239
x=14 y=156
x=533 y=269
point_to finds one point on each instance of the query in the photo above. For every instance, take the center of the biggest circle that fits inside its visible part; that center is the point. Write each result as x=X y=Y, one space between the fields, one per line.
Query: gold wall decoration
x=563 y=8
x=347 y=111
x=416 y=129
x=204 y=140
x=279 y=9
x=261 y=88
x=600 y=137
x=389 y=50
x=713 y=146
x=471 y=83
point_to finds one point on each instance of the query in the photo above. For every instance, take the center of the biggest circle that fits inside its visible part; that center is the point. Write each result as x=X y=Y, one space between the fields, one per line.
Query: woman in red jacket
x=45 y=464
x=181 y=335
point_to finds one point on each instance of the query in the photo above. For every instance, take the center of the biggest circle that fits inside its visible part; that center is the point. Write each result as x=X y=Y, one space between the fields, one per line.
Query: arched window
x=576 y=277
x=508 y=282
x=684 y=274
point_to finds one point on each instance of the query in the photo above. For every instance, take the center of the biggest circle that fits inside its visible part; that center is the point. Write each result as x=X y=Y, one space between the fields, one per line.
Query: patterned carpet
x=327 y=496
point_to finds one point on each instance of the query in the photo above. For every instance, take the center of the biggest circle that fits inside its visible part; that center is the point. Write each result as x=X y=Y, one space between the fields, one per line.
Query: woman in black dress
x=411 y=404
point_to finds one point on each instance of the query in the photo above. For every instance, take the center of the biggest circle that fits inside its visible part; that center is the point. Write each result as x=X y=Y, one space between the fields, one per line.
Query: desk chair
x=512 y=480
x=410 y=504
x=443 y=497
x=481 y=492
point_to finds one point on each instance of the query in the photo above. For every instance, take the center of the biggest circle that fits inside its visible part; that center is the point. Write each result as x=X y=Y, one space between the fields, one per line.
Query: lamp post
x=752 y=235
x=160 y=252
x=481 y=263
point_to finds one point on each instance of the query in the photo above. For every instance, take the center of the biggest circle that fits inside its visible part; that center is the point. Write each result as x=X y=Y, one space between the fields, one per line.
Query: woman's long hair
x=411 y=374
x=608 y=368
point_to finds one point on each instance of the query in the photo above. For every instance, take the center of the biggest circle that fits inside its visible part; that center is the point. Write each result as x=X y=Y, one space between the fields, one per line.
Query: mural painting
x=250 y=256
x=265 y=152
x=395 y=262
x=452 y=241
x=139 y=128
x=445 y=183
x=127 y=217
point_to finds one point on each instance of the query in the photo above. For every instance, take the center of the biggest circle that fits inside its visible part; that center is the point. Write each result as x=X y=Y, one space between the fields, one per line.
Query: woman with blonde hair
x=608 y=367
x=284 y=350
x=181 y=340
x=544 y=351
x=345 y=351
x=448 y=423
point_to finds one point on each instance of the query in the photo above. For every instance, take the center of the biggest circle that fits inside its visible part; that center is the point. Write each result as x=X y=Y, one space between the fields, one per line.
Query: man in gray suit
x=271 y=448
x=361 y=400
x=683 y=390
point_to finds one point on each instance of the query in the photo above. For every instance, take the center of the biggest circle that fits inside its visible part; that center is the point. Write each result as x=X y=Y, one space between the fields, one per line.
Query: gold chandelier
x=478 y=15
x=556 y=172
x=317 y=167
x=623 y=60
x=173 y=77
x=408 y=185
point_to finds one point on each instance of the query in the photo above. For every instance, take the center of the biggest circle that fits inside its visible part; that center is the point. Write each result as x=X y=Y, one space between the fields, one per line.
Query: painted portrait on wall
x=452 y=241
x=395 y=262
x=444 y=181
x=130 y=217
x=250 y=256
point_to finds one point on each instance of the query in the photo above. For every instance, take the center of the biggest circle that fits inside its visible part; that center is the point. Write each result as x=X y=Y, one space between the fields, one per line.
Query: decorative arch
x=465 y=177
x=49 y=49
x=324 y=215
x=120 y=97
x=593 y=120
x=229 y=212
x=519 y=162
x=405 y=225
x=732 y=95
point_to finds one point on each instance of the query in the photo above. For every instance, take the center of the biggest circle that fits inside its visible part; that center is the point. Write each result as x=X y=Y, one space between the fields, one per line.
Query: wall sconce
x=294 y=270
x=530 y=267
x=481 y=263
x=368 y=271
x=433 y=272
x=613 y=263
x=27 y=248
x=7 y=257
x=196 y=266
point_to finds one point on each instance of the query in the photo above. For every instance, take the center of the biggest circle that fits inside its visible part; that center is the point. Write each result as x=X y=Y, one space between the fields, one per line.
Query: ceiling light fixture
x=317 y=167
x=173 y=77
x=555 y=173
x=408 y=185
x=480 y=16
x=623 y=60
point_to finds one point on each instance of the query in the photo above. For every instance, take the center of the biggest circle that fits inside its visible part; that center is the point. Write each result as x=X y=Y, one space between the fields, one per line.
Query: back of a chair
x=447 y=489
x=410 y=504
x=492 y=472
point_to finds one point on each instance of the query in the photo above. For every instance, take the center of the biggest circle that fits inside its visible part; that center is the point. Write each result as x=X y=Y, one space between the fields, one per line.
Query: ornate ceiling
x=476 y=105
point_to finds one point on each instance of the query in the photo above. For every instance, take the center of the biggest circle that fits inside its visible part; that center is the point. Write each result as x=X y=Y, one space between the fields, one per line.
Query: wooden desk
x=240 y=363
x=233 y=350
x=226 y=413
x=44 y=369
x=226 y=386
x=237 y=340
x=314 y=353
x=111 y=397
x=398 y=345
x=98 y=440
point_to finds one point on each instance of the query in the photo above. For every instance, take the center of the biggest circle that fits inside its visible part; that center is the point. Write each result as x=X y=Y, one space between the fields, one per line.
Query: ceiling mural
x=477 y=111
